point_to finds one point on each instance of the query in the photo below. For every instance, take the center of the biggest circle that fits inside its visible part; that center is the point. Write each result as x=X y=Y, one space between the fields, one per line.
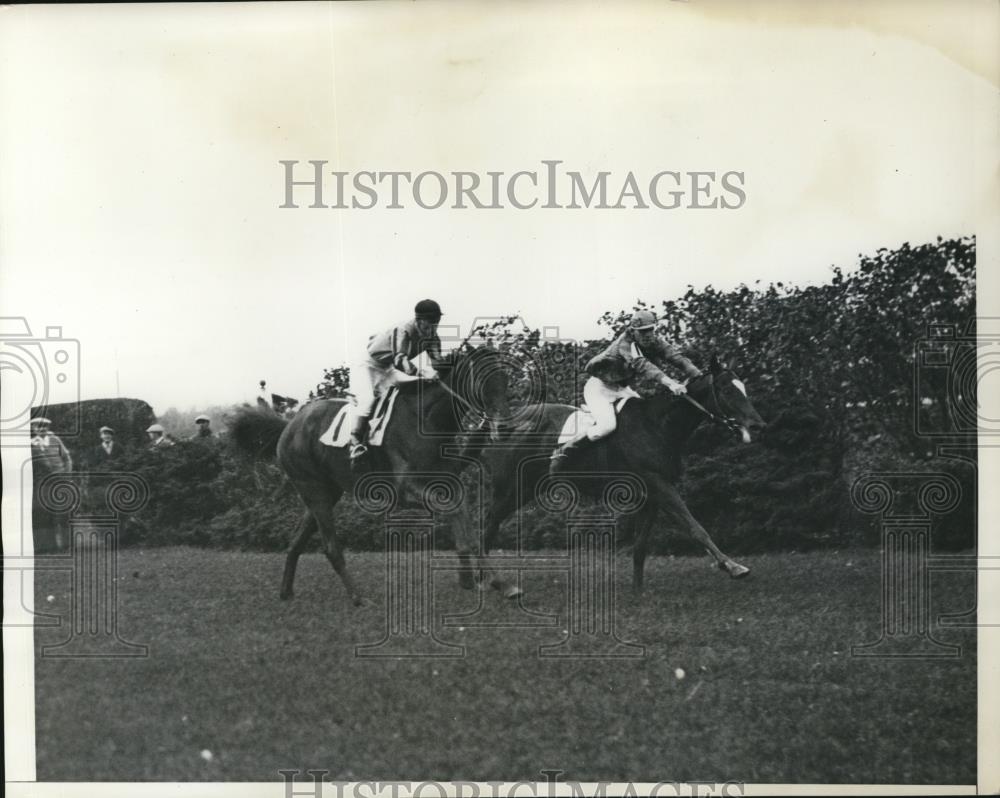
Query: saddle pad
x=339 y=433
x=580 y=420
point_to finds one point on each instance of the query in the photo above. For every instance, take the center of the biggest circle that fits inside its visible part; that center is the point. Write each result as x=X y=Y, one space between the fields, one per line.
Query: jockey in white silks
x=389 y=355
x=635 y=355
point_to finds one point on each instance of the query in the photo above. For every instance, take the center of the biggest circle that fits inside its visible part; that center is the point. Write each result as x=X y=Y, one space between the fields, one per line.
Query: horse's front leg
x=472 y=553
x=676 y=509
x=462 y=524
x=456 y=522
x=501 y=505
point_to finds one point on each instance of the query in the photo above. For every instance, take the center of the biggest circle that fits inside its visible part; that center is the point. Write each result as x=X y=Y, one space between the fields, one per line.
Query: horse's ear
x=715 y=365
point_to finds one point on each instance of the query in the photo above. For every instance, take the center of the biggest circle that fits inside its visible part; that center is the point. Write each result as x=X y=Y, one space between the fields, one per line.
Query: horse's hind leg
x=306 y=529
x=321 y=500
x=674 y=505
x=463 y=550
x=642 y=524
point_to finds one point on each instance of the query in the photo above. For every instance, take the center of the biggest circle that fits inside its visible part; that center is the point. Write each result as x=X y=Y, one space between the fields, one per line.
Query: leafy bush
x=830 y=367
x=202 y=493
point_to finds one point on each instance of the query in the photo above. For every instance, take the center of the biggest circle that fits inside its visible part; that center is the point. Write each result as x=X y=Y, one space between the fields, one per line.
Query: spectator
x=204 y=428
x=108 y=449
x=47 y=450
x=48 y=456
x=157 y=440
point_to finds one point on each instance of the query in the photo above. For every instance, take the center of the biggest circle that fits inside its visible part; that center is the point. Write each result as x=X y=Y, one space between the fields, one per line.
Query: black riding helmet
x=428 y=309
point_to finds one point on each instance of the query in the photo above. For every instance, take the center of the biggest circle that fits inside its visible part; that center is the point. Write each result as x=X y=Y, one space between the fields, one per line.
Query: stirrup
x=557 y=460
x=358 y=450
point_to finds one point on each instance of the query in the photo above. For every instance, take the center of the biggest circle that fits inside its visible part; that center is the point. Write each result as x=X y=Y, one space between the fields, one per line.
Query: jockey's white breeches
x=369 y=381
x=600 y=398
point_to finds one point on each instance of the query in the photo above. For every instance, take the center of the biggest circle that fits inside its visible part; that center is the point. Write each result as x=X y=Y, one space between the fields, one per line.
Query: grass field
x=770 y=692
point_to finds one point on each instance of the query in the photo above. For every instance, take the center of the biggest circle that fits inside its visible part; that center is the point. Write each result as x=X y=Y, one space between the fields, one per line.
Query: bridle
x=728 y=423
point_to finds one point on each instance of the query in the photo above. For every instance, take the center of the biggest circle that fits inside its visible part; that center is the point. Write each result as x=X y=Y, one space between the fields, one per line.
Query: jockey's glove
x=675 y=388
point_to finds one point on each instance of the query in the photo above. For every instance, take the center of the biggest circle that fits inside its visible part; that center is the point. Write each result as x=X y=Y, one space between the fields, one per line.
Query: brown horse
x=648 y=443
x=427 y=417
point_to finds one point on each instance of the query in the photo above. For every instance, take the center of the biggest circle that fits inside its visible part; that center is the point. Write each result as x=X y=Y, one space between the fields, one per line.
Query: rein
x=480 y=415
x=468 y=405
x=731 y=425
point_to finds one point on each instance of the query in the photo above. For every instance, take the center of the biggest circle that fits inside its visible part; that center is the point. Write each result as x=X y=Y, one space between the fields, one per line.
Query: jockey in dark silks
x=389 y=354
x=636 y=355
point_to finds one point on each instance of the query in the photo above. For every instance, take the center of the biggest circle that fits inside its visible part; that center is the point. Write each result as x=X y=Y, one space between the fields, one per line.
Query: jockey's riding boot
x=359 y=434
x=564 y=450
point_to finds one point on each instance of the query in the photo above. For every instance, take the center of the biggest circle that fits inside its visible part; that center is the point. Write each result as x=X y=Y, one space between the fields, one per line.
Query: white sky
x=139 y=176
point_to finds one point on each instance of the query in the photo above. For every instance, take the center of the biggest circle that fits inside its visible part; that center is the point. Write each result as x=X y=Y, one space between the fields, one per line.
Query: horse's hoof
x=286 y=595
x=737 y=571
x=512 y=593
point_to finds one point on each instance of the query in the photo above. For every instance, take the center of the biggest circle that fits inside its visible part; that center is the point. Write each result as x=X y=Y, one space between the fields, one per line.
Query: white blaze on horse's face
x=738 y=384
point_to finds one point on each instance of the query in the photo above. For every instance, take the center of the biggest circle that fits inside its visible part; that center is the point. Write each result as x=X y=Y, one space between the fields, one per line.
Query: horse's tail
x=256 y=432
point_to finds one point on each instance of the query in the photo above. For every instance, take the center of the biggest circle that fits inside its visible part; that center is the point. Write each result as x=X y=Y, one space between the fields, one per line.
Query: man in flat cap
x=108 y=449
x=46 y=449
x=48 y=456
x=157 y=440
x=204 y=424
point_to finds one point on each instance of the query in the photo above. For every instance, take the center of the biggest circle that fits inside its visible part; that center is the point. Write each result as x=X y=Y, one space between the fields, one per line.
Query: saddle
x=338 y=435
x=580 y=419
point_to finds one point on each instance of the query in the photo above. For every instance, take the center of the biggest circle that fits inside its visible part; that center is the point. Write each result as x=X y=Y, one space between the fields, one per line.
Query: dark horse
x=426 y=417
x=648 y=443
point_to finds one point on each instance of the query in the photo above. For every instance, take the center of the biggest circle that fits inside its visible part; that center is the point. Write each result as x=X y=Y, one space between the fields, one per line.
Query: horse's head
x=478 y=376
x=731 y=401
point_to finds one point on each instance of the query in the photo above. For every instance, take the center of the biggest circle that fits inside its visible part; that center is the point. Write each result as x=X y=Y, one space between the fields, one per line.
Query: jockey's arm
x=646 y=370
x=667 y=355
x=435 y=359
x=404 y=364
x=402 y=345
x=433 y=350
x=690 y=369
